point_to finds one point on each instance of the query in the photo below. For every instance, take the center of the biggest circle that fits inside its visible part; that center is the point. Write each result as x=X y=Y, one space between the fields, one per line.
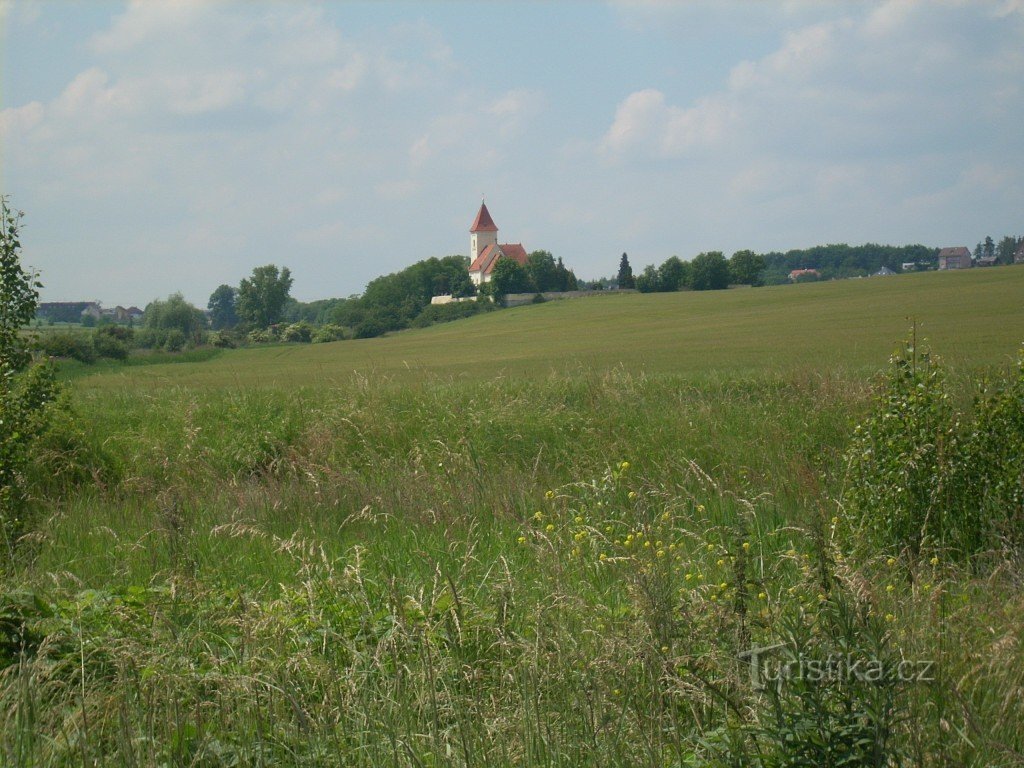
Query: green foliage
x=162 y=318
x=674 y=275
x=746 y=268
x=922 y=473
x=26 y=390
x=222 y=307
x=842 y=260
x=113 y=341
x=443 y=313
x=72 y=346
x=625 y=277
x=262 y=296
x=509 y=276
x=328 y=333
x=392 y=302
x=709 y=272
x=301 y=332
x=174 y=340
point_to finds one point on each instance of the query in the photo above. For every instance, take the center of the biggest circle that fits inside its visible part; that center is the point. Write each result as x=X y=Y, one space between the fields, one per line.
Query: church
x=485 y=250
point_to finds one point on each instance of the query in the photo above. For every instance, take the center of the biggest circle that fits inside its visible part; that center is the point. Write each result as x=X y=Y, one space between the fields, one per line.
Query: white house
x=485 y=250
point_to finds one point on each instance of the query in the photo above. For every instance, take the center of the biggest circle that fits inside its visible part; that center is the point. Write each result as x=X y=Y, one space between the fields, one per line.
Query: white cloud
x=648 y=127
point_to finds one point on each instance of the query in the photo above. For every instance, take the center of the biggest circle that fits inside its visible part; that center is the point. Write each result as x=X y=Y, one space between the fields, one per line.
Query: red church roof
x=489 y=256
x=483 y=221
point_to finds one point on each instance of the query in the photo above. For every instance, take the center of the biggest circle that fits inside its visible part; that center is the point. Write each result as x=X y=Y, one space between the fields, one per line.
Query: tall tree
x=710 y=272
x=509 y=276
x=262 y=297
x=674 y=275
x=746 y=268
x=1006 y=249
x=176 y=314
x=222 y=307
x=626 y=279
x=543 y=271
x=989 y=247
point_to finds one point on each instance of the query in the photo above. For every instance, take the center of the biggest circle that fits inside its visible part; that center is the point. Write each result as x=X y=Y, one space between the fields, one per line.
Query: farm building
x=958 y=257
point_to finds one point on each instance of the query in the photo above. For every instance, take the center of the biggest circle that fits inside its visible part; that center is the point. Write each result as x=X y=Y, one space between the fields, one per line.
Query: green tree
x=543 y=272
x=989 y=247
x=625 y=278
x=175 y=314
x=26 y=389
x=509 y=276
x=566 y=278
x=746 y=268
x=1006 y=249
x=222 y=307
x=647 y=281
x=673 y=275
x=710 y=272
x=262 y=297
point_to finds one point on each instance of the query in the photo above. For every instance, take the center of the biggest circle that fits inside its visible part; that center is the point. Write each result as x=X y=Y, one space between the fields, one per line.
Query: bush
x=443 y=313
x=174 y=341
x=112 y=341
x=328 y=333
x=69 y=345
x=921 y=473
x=222 y=340
x=301 y=332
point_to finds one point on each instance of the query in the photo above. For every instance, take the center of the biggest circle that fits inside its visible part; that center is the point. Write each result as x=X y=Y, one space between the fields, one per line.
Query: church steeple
x=483 y=233
x=483 y=221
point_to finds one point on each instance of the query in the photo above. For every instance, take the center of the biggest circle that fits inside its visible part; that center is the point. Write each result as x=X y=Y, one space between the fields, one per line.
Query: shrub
x=328 y=333
x=174 y=341
x=69 y=345
x=222 y=340
x=920 y=472
x=112 y=341
x=301 y=332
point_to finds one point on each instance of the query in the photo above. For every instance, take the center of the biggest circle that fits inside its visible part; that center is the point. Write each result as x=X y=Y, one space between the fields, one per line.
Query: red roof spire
x=483 y=221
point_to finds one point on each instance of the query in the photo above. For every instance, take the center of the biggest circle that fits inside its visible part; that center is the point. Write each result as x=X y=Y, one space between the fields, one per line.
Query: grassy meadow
x=540 y=536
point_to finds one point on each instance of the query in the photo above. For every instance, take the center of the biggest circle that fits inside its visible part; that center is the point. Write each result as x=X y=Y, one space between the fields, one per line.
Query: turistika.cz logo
x=767 y=671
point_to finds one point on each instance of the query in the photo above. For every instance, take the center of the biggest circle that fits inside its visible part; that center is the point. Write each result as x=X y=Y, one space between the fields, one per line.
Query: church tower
x=483 y=233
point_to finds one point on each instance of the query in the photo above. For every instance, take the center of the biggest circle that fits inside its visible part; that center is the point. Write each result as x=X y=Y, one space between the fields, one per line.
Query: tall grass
x=444 y=572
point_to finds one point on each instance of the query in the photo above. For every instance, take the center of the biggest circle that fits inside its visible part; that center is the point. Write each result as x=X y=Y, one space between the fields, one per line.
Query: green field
x=540 y=536
x=970 y=318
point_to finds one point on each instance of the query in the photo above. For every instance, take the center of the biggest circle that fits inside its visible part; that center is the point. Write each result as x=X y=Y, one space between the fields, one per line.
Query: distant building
x=955 y=258
x=1018 y=256
x=988 y=261
x=883 y=272
x=797 y=274
x=485 y=251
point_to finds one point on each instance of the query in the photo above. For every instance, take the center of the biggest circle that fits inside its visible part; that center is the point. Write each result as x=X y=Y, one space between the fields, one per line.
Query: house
x=1018 y=255
x=485 y=250
x=988 y=261
x=908 y=266
x=883 y=272
x=958 y=257
x=135 y=314
x=804 y=274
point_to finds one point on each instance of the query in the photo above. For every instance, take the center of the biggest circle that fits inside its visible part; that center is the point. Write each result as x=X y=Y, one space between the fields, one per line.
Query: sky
x=174 y=146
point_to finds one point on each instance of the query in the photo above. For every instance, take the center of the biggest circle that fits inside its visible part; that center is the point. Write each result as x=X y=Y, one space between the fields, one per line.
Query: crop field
x=549 y=535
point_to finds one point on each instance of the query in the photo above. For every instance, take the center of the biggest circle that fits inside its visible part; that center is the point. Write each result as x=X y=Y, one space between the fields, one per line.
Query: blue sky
x=165 y=146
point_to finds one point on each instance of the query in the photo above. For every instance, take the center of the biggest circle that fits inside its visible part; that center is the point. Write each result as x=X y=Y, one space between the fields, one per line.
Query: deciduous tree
x=262 y=297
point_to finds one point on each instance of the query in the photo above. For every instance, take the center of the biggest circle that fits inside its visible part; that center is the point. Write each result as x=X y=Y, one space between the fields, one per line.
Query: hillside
x=973 y=318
